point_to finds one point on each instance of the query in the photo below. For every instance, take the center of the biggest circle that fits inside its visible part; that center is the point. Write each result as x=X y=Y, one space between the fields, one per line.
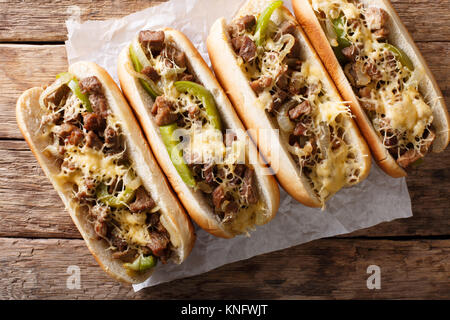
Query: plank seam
x=62 y=42
x=340 y=238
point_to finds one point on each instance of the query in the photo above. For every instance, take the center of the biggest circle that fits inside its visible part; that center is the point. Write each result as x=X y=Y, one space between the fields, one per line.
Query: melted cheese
x=410 y=113
x=138 y=234
x=247 y=218
x=236 y=153
x=311 y=72
x=94 y=162
x=399 y=106
x=334 y=168
x=207 y=142
x=332 y=172
x=264 y=100
x=333 y=6
x=133 y=226
x=329 y=110
x=83 y=164
x=200 y=138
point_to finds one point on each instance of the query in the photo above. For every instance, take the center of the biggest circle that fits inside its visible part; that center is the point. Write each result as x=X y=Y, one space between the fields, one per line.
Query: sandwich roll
x=277 y=83
x=380 y=71
x=87 y=141
x=195 y=135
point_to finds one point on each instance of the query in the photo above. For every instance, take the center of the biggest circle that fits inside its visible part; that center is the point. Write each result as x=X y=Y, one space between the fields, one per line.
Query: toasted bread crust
x=400 y=38
x=173 y=217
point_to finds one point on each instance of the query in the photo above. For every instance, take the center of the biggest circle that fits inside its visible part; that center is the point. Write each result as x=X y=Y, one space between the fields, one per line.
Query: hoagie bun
x=399 y=106
x=88 y=143
x=319 y=149
x=224 y=198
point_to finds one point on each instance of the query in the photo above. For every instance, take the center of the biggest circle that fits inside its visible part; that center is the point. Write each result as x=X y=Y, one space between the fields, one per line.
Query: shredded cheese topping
x=201 y=138
x=395 y=105
x=327 y=167
x=82 y=164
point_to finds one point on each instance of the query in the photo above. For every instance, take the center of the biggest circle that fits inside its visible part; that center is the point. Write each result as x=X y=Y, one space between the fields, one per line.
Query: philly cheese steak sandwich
x=87 y=141
x=196 y=136
x=277 y=82
x=377 y=67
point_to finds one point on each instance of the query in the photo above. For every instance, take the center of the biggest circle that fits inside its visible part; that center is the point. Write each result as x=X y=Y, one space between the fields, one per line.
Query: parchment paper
x=377 y=199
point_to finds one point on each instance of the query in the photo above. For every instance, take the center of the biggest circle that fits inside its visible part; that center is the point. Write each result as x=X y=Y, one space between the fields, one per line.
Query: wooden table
x=38 y=241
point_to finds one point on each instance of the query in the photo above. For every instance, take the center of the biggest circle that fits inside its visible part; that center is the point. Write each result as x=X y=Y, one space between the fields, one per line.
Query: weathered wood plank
x=321 y=269
x=25 y=66
x=425 y=19
x=29 y=207
x=45 y=20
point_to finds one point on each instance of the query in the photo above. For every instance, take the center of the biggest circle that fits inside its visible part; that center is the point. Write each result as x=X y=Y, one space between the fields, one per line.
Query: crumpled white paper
x=377 y=199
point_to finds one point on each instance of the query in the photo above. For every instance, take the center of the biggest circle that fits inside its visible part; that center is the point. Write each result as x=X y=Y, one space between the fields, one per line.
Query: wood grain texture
x=38 y=240
x=29 y=207
x=426 y=20
x=23 y=67
x=321 y=269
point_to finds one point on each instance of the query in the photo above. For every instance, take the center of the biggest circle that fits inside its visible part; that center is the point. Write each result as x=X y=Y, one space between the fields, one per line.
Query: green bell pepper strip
x=118 y=201
x=141 y=263
x=338 y=53
x=263 y=22
x=341 y=38
x=205 y=97
x=338 y=26
x=73 y=85
x=171 y=143
x=65 y=77
x=151 y=88
x=401 y=56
